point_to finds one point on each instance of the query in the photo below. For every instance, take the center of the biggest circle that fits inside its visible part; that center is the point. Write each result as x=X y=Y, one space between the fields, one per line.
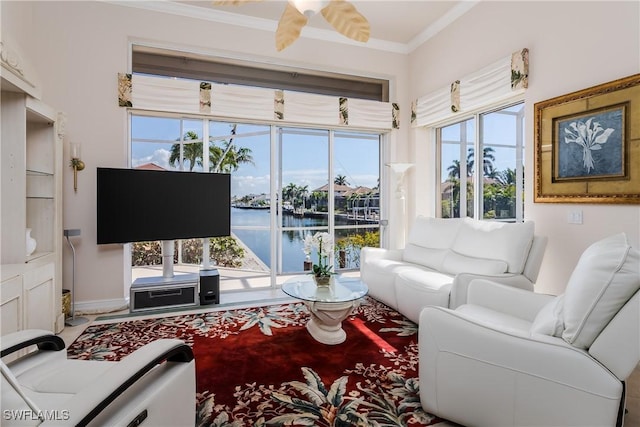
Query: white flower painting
x=590 y=136
x=591 y=145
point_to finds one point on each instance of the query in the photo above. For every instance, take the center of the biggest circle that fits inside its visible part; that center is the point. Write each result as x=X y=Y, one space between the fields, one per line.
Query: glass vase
x=322 y=281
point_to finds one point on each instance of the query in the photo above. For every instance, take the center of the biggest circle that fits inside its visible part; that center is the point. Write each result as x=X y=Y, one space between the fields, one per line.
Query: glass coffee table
x=329 y=305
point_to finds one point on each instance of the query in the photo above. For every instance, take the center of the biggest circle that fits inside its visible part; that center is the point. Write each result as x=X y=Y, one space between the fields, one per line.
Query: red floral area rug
x=260 y=367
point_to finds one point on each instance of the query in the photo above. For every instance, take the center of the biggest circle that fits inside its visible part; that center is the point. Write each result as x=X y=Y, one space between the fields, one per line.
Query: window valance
x=501 y=80
x=244 y=102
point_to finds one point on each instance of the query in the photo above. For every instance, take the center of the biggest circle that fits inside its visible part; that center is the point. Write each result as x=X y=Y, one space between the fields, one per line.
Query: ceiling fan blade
x=289 y=27
x=344 y=17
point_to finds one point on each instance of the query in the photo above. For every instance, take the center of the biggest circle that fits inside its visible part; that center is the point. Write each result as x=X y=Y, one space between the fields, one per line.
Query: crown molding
x=448 y=18
x=252 y=22
x=214 y=15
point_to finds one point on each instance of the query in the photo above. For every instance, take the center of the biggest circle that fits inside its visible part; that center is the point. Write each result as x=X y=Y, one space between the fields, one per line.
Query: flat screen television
x=138 y=205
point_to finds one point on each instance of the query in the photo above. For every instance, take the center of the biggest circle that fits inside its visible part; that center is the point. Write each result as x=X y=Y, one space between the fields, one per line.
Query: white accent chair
x=155 y=385
x=510 y=357
x=442 y=256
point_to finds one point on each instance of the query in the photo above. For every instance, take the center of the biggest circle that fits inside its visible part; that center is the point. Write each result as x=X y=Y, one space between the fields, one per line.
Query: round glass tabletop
x=341 y=289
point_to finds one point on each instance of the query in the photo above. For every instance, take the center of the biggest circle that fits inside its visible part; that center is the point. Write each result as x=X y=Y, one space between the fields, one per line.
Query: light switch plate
x=575 y=216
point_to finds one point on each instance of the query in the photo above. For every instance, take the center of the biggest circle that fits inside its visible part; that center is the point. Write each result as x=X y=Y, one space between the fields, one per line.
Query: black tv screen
x=138 y=205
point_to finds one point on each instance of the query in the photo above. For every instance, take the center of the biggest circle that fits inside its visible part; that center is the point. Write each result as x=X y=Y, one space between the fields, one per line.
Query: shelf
x=40 y=185
x=31 y=184
x=36 y=255
x=31 y=172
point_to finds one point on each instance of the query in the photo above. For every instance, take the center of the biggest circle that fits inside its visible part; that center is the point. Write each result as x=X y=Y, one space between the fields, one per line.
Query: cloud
x=242 y=185
x=160 y=157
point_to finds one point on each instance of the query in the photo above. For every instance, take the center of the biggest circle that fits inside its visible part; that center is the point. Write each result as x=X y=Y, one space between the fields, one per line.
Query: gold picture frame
x=587 y=145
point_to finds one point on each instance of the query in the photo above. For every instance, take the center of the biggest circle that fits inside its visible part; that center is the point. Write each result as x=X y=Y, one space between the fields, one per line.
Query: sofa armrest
x=534 y=259
x=369 y=253
x=507 y=299
x=460 y=286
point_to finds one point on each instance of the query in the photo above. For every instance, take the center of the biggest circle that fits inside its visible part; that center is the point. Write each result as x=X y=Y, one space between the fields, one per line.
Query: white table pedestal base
x=325 y=325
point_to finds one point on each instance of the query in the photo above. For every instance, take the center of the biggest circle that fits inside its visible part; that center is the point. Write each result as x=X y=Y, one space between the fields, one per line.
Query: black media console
x=152 y=293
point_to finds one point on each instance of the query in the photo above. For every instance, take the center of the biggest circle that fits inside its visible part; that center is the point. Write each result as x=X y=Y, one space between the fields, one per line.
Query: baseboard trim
x=101 y=306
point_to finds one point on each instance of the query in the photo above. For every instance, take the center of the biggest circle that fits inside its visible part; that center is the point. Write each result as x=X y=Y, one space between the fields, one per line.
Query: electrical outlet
x=575 y=216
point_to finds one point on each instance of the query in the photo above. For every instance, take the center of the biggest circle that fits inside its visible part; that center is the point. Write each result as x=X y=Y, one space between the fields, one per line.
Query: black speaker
x=209 y=287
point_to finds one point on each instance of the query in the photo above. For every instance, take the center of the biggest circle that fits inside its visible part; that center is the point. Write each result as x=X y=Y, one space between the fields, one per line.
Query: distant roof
x=360 y=190
x=150 y=166
x=336 y=188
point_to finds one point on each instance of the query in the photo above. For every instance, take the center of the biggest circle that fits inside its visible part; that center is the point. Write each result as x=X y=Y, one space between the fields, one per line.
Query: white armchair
x=510 y=357
x=155 y=385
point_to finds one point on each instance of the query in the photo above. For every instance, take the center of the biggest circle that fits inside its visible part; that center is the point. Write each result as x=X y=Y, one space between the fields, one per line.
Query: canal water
x=292 y=240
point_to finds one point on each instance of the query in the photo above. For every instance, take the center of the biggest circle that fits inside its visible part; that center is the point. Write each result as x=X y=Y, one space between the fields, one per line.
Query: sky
x=304 y=152
x=498 y=132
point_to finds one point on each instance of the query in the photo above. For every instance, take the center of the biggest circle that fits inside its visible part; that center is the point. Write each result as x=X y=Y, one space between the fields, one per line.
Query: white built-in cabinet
x=31 y=198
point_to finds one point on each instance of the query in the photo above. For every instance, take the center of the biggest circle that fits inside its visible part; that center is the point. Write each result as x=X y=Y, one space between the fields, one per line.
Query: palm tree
x=303 y=194
x=289 y=193
x=191 y=152
x=454 y=170
x=507 y=177
x=224 y=159
x=487 y=160
x=318 y=197
x=228 y=157
x=341 y=180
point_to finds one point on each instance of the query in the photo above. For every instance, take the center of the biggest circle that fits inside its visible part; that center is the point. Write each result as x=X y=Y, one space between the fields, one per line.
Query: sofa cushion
x=549 y=320
x=435 y=233
x=429 y=241
x=455 y=263
x=379 y=274
x=427 y=257
x=417 y=288
x=605 y=278
x=496 y=240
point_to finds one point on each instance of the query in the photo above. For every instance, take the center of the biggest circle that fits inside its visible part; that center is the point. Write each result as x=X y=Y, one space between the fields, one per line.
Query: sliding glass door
x=286 y=183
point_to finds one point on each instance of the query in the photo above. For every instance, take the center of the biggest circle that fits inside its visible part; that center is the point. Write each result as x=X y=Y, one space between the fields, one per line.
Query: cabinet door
x=11 y=305
x=11 y=311
x=39 y=296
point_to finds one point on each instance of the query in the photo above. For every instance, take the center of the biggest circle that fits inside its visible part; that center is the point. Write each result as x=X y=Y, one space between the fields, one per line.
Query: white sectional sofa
x=442 y=256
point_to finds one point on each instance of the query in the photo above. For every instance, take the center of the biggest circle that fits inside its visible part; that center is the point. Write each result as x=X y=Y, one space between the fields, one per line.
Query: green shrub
x=351 y=245
x=224 y=251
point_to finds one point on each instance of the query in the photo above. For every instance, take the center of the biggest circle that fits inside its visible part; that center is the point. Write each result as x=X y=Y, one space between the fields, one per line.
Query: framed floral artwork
x=588 y=145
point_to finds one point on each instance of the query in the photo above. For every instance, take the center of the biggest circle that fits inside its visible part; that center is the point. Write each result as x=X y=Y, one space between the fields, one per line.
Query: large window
x=286 y=183
x=482 y=166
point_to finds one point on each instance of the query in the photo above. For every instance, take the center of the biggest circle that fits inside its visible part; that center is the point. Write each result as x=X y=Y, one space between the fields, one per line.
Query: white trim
x=444 y=21
x=101 y=306
x=256 y=23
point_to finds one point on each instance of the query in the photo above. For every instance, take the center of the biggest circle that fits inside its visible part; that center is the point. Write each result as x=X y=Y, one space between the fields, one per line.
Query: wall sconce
x=76 y=163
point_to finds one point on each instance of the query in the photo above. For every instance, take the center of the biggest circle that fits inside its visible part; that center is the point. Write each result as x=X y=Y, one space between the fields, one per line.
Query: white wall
x=78 y=49
x=573 y=45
